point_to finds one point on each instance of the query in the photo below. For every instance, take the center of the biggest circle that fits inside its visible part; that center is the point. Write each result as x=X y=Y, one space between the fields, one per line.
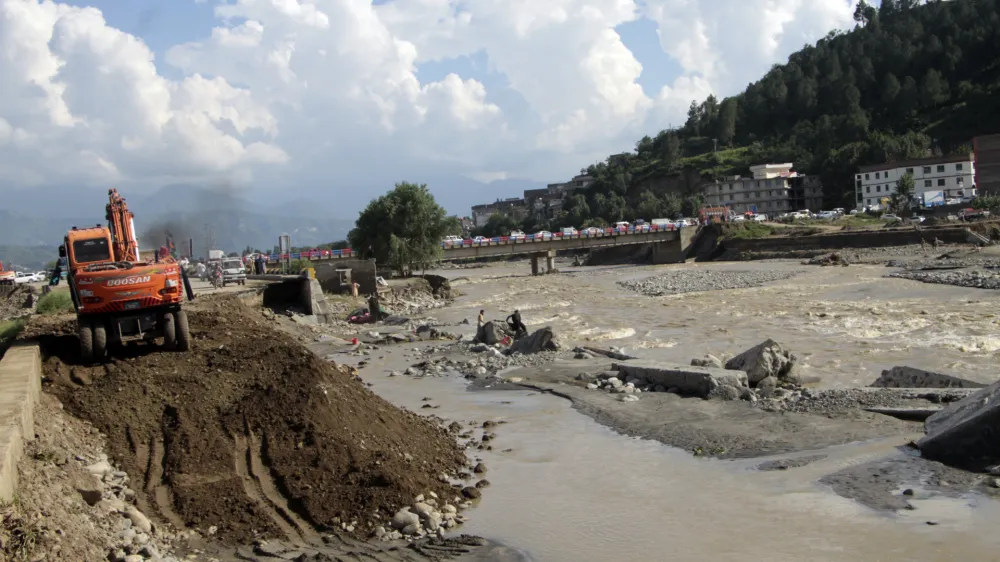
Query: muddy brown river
x=569 y=489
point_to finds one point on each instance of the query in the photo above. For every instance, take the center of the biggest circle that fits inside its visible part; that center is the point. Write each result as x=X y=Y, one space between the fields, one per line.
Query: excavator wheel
x=169 y=333
x=100 y=341
x=85 y=333
x=182 y=332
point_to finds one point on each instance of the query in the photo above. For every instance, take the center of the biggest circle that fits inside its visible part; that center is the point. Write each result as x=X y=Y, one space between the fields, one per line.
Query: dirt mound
x=250 y=432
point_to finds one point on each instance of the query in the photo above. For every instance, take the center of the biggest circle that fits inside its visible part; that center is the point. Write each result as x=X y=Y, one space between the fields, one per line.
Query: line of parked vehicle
x=22 y=277
x=638 y=227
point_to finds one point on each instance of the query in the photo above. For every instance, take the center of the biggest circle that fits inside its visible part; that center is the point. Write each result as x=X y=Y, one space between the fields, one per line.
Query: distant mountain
x=187 y=212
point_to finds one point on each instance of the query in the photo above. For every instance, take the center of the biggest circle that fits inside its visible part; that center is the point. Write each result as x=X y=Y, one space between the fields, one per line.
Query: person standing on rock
x=514 y=320
x=482 y=319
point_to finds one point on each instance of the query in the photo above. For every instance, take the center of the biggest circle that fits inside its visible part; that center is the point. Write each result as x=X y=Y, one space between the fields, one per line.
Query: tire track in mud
x=157 y=488
x=242 y=457
x=261 y=473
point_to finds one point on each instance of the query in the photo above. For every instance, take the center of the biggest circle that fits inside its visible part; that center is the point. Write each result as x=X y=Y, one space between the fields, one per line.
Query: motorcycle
x=217 y=281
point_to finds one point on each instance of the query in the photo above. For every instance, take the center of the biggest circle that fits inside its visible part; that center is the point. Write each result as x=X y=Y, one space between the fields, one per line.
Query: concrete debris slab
x=964 y=434
x=688 y=379
x=909 y=377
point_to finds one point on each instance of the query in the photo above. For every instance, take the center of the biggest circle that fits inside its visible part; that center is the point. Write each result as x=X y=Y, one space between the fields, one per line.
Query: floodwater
x=565 y=488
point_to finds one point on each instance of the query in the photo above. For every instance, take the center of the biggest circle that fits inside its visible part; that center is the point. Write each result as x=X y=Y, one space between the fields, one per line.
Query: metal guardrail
x=535 y=238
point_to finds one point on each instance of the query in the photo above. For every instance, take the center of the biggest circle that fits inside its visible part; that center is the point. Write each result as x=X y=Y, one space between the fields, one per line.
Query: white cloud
x=734 y=42
x=325 y=92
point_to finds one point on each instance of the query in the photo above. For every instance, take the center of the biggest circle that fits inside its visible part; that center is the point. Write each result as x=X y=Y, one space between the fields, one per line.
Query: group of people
x=257 y=266
x=513 y=322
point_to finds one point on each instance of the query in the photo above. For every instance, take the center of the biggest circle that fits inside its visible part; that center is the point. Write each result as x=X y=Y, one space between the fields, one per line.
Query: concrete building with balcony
x=548 y=202
x=514 y=207
x=773 y=189
x=953 y=175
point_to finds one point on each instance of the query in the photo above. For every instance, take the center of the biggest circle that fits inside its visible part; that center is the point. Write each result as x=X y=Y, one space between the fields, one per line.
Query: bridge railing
x=533 y=238
x=312 y=255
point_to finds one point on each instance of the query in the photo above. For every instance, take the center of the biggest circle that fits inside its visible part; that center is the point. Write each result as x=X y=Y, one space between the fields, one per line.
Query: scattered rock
x=542 y=340
x=708 y=361
x=471 y=493
x=767 y=359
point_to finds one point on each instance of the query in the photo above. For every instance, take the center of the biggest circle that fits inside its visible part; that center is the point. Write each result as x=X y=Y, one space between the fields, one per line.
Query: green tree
x=901 y=199
x=933 y=89
x=497 y=225
x=727 y=121
x=403 y=228
x=890 y=88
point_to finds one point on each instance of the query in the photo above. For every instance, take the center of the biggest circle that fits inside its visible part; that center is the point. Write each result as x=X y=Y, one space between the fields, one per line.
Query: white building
x=773 y=189
x=953 y=175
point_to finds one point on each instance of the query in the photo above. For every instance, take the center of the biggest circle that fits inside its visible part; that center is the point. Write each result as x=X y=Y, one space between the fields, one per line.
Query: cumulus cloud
x=326 y=92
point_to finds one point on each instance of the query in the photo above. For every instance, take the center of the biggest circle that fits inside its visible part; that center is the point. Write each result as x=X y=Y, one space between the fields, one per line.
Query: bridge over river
x=669 y=245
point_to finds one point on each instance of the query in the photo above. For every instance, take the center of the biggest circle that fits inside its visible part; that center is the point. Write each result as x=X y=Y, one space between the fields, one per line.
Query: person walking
x=354 y=289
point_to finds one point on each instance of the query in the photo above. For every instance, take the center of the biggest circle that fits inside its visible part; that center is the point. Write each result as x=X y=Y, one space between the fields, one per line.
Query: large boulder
x=492 y=332
x=544 y=339
x=767 y=359
x=909 y=377
x=964 y=433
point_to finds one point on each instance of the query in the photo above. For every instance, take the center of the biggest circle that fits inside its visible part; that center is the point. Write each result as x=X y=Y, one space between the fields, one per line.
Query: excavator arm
x=121 y=223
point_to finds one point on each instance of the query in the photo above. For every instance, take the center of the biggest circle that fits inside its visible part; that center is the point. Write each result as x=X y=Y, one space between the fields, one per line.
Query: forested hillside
x=907 y=79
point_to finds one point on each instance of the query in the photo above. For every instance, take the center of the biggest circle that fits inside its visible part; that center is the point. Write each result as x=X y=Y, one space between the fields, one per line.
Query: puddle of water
x=572 y=490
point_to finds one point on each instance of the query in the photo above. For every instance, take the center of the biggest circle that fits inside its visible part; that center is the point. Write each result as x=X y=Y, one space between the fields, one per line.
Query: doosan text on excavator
x=119 y=297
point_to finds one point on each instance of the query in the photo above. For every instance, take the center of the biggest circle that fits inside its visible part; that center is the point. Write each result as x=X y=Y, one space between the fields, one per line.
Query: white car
x=21 y=277
x=827 y=215
x=738 y=218
x=543 y=234
x=481 y=240
x=592 y=231
x=516 y=235
x=759 y=218
x=452 y=240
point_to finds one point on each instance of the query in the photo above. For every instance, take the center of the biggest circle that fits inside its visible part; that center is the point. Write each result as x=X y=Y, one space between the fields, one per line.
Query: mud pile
x=251 y=433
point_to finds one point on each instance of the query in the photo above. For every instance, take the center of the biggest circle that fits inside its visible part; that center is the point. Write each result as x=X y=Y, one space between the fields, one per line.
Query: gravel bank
x=975 y=278
x=676 y=282
x=867 y=256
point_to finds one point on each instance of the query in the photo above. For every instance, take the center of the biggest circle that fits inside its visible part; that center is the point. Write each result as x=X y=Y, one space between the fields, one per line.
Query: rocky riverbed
x=676 y=282
x=975 y=278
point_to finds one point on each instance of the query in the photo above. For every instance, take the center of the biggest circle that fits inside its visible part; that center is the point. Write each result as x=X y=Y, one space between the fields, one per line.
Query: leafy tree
x=497 y=225
x=901 y=199
x=727 y=121
x=403 y=228
x=933 y=90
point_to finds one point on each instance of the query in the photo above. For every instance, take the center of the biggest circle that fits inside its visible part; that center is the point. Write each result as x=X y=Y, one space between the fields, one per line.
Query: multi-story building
x=955 y=176
x=547 y=203
x=514 y=207
x=987 y=151
x=773 y=189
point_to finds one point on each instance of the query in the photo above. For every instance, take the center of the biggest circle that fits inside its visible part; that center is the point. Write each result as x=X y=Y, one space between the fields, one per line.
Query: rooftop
x=917 y=162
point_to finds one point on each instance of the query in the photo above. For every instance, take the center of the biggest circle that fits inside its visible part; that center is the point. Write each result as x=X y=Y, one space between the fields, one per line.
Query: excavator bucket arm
x=122 y=226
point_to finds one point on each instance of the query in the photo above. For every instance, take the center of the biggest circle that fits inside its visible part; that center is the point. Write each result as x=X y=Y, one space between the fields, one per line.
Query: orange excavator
x=118 y=296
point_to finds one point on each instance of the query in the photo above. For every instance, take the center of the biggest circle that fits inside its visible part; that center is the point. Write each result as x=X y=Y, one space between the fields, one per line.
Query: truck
x=118 y=297
x=216 y=255
x=932 y=198
x=7 y=277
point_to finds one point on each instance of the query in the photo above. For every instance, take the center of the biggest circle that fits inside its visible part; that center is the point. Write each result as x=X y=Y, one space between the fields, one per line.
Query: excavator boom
x=121 y=222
